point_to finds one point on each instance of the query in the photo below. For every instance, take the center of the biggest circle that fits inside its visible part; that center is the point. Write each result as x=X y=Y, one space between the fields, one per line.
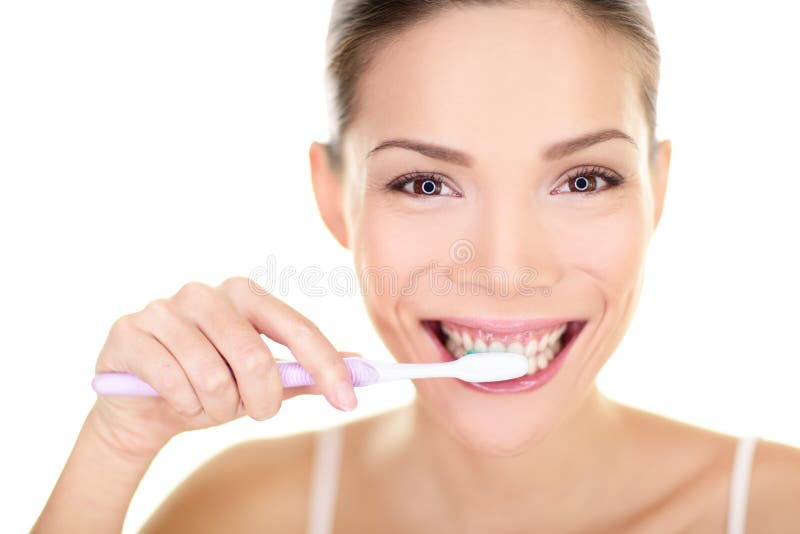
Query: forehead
x=496 y=77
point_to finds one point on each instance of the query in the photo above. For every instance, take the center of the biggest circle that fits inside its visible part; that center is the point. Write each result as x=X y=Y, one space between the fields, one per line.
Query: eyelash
x=612 y=179
x=401 y=181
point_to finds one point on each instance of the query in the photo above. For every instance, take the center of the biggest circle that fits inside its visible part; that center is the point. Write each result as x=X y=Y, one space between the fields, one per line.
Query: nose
x=515 y=236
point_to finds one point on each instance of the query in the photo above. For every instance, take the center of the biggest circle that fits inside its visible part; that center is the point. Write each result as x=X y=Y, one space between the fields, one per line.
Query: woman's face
x=512 y=230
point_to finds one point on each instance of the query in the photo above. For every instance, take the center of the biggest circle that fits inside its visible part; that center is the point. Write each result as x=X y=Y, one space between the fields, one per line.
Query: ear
x=659 y=172
x=328 y=192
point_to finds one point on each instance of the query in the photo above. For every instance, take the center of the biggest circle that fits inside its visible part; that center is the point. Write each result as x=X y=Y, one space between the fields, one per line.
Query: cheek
x=391 y=251
x=610 y=247
x=403 y=243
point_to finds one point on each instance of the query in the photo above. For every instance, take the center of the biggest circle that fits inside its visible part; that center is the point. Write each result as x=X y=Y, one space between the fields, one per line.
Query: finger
x=289 y=327
x=209 y=375
x=131 y=349
x=257 y=375
x=296 y=391
x=313 y=389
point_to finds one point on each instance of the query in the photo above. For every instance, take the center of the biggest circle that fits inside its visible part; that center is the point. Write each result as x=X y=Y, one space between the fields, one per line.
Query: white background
x=147 y=144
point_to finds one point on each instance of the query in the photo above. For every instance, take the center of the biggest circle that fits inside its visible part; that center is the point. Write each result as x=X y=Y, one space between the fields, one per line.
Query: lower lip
x=522 y=383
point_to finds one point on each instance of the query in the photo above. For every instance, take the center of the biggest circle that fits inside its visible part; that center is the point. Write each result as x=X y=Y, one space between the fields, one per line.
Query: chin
x=502 y=435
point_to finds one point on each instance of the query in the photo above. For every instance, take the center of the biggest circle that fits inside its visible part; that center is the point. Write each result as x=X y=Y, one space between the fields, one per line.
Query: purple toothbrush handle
x=292 y=375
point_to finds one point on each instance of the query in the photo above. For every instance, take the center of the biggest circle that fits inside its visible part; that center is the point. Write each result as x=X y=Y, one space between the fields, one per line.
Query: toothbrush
x=477 y=367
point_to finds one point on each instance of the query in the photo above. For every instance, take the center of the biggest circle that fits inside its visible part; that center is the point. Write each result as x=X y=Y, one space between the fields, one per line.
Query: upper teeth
x=540 y=348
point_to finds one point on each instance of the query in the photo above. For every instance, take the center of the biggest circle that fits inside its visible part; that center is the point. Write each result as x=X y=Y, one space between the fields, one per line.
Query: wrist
x=98 y=481
x=121 y=443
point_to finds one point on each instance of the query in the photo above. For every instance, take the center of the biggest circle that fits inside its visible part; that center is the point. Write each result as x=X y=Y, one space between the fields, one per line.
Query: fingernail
x=345 y=396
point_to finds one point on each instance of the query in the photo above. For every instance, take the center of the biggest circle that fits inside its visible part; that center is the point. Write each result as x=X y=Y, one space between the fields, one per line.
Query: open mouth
x=541 y=344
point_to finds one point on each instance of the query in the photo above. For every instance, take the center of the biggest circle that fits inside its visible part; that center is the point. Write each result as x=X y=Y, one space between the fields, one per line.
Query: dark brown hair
x=358 y=27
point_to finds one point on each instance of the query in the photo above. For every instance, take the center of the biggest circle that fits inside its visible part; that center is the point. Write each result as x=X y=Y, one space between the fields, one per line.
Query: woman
x=472 y=137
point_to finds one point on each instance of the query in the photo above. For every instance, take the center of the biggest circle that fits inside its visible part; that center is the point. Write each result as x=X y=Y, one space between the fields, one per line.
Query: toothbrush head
x=476 y=352
x=491 y=366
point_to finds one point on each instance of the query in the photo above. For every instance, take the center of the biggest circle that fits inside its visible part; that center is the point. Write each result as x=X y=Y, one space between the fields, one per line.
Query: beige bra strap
x=324 y=480
x=740 y=483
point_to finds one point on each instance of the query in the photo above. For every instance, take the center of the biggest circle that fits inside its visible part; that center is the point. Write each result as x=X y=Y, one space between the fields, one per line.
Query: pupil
x=428 y=187
x=581 y=183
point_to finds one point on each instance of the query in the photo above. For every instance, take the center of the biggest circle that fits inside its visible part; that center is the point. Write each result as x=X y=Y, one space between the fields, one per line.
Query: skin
x=588 y=250
x=481 y=451
x=562 y=458
x=505 y=114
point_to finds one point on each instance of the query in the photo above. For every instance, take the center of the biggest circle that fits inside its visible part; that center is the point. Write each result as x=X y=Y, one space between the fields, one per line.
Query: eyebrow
x=555 y=151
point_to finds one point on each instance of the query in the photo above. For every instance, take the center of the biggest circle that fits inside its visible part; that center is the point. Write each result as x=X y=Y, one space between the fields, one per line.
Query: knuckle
x=123 y=325
x=253 y=359
x=217 y=418
x=169 y=384
x=342 y=375
x=337 y=371
x=190 y=409
x=168 y=380
x=159 y=307
x=214 y=382
x=235 y=283
x=192 y=290
x=200 y=302
x=267 y=412
x=271 y=412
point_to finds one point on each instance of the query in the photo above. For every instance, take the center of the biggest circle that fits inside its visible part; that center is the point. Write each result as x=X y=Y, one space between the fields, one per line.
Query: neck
x=557 y=475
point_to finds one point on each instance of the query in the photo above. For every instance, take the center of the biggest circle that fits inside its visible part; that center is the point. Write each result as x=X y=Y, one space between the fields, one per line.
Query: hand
x=201 y=351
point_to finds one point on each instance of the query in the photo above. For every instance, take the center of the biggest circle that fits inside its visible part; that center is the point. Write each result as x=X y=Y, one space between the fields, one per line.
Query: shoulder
x=683 y=473
x=254 y=484
x=260 y=485
x=774 y=491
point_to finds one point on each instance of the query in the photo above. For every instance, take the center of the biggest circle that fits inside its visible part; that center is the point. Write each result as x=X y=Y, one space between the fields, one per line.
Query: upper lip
x=507 y=326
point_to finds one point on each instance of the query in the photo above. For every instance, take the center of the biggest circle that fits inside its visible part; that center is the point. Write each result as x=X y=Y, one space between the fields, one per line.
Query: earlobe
x=328 y=192
x=660 y=175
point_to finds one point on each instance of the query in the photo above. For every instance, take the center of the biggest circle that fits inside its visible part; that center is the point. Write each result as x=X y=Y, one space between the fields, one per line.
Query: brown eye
x=582 y=184
x=427 y=187
x=423 y=185
x=588 y=180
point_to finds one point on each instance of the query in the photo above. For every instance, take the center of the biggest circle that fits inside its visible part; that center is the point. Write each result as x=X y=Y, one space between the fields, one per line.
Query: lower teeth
x=541 y=360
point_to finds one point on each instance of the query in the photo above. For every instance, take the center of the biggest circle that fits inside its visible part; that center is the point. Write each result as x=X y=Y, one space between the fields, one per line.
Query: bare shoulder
x=774 y=491
x=255 y=486
x=258 y=485
x=697 y=466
